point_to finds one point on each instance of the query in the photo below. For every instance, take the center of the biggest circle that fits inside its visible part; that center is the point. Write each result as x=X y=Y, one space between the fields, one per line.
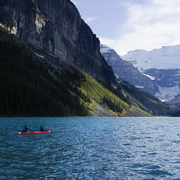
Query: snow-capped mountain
x=160 y=66
x=168 y=57
x=105 y=49
x=163 y=65
x=126 y=71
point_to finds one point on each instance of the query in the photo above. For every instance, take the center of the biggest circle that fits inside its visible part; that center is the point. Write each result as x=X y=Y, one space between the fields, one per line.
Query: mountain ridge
x=159 y=67
x=166 y=57
x=30 y=87
x=126 y=71
x=64 y=71
x=57 y=28
x=163 y=65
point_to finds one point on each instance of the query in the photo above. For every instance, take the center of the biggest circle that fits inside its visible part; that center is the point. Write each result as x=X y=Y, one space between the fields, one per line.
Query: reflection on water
x=91 y=148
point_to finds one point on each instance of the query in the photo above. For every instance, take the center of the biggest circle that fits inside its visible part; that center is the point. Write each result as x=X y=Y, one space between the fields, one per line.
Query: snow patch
x=166 y=57
x=104 y=48
x=151 y=77
x=167 y=94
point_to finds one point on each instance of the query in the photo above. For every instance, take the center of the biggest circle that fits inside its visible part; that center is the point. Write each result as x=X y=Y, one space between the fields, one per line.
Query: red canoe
x=36 y=132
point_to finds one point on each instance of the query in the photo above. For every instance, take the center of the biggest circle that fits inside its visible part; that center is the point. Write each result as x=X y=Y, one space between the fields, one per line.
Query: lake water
x=91 y=148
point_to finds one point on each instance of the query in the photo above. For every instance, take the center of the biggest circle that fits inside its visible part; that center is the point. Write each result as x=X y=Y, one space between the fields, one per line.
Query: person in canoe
x=41 y=129
x=25 y=129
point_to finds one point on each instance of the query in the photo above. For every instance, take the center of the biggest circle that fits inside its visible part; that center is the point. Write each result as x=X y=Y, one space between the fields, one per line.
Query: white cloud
x=114 y=44
x=90 y=19
x=148 y=26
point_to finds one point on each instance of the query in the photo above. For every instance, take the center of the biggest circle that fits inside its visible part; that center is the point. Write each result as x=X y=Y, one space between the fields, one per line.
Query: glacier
x=161 y=66
x=167 y=57
x=167 y=93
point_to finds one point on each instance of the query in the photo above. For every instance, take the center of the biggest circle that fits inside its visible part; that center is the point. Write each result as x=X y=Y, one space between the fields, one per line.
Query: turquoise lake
x=91 y=148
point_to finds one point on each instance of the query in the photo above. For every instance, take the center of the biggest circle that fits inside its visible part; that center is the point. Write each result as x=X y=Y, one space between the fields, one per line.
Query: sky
x=126 y=25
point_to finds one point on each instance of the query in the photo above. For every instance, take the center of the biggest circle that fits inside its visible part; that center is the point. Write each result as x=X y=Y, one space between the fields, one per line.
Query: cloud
x=90 y=19
x=148 y=26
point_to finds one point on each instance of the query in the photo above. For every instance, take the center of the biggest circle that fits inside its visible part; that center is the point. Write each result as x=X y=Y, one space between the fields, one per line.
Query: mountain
x=56 y=27
x=144 y=101
x=155 y=72
x=51 y=65
x=30 y=88
x=162 y=66
x=126 y=71
x=166 y=57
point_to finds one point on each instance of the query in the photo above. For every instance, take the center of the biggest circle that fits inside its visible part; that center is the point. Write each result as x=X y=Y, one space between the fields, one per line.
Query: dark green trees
x=27 y=89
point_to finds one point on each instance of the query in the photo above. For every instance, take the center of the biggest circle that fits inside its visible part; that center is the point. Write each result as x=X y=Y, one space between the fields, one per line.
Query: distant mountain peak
x=166 y=57
x=56 y=27
x=104 y=49
x=126 y=71
x=159 y=66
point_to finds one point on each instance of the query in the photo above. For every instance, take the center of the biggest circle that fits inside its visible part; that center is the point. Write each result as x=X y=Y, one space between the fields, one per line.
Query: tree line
x=113 y=105
x=150 y=102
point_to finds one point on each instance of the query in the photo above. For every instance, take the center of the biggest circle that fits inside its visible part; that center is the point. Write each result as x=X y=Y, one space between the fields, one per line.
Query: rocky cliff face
x=55 y=27
x=126 y=71
x=168 y=81
x=162 y=65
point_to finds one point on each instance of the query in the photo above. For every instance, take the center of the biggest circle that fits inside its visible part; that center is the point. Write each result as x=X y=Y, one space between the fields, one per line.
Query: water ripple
x=91 y=148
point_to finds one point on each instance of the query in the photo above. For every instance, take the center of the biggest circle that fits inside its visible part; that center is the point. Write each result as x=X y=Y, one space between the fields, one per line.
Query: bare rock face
x=55 y=27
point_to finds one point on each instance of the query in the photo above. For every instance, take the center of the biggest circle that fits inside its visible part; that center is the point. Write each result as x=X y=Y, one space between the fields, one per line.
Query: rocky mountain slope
x=55 y=27
x=157 y=71
x=30 y=87
x=162 y=66
x=126 y=71
x=46 y=48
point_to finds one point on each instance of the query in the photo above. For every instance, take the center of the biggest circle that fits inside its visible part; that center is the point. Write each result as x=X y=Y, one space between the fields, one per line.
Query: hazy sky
x=126 y=25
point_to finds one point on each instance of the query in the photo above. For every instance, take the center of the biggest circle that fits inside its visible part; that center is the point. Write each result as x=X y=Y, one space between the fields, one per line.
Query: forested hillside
x=144 y=100
x=27 y=89
x=30 y=87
